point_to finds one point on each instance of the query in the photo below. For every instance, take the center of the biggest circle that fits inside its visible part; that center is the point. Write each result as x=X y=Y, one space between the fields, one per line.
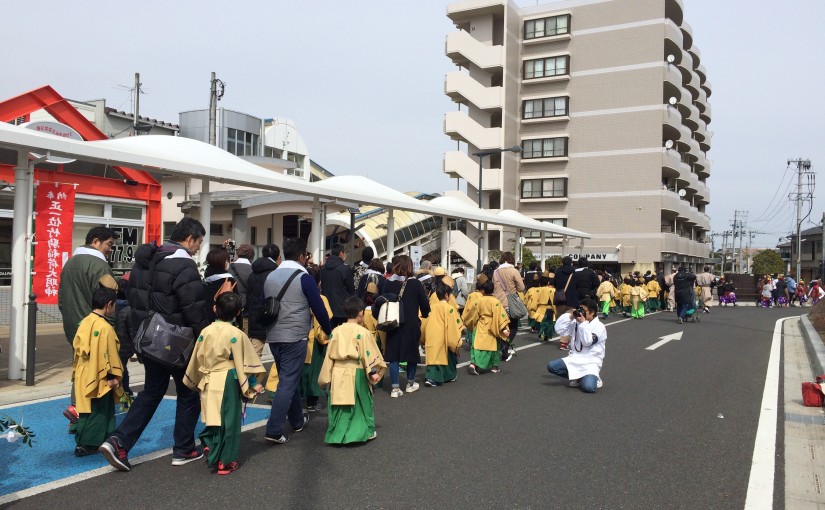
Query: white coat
x=587 y=345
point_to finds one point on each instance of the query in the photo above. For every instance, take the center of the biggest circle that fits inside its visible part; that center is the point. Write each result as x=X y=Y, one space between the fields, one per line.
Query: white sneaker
x=412 y=386
x=396 y=392
x=599 y=383
x=574 y=383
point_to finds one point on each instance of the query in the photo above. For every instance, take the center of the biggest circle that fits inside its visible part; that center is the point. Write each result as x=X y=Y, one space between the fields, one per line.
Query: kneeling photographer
x=588 y=336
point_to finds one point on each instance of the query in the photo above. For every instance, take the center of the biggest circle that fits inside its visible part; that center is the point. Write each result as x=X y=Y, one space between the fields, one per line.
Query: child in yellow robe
x=441 y=336
x=97 y=374
x=531 y=302
x=316 y=349
x=653 y=291
x=472 y=300
x=224 y=368
x=351 y=365
x=624 y=292
x=490 y=324
x=638 y=297
x=545 y=312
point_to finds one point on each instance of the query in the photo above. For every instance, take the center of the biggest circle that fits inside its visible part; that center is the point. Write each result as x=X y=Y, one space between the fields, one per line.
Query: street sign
x=665 y=339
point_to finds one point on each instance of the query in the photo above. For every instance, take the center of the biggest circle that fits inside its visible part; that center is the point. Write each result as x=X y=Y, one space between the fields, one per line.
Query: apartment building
x=608 y=101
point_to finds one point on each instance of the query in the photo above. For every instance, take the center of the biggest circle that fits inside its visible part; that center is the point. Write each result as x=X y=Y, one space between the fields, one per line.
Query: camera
x=230 y=243
x=578 y=312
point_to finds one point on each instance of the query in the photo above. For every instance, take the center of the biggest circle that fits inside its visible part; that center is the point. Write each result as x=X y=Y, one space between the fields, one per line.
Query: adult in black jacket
x=164 y=279
x=560 y=281
x=402 y=342
x=337 y=284
x=270 y=257
x=216 y=274
x=585 y=280
x=684 y=286
x=242 y=268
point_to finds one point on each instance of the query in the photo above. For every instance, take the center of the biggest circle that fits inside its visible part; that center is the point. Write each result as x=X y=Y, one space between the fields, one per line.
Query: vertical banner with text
x=53 y=233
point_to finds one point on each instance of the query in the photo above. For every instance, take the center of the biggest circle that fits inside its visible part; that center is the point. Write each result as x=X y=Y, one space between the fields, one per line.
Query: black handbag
x=268 y=312
x=168 y=344
x=160 y=341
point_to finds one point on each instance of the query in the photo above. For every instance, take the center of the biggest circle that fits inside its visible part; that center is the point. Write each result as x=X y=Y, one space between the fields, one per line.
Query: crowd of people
x=327 y=329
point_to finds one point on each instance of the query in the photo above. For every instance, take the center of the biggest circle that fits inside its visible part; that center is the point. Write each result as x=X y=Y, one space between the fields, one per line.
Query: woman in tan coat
x=507 y=280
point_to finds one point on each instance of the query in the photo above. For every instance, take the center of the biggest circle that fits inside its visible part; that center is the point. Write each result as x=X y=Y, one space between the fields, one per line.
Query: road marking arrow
x=665 y=339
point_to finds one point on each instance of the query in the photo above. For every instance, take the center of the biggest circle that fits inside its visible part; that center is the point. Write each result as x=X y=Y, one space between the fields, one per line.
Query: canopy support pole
x=314 y=234
x=23 y=182
x=543 y=248
x=445 y=242
x=390 y=235
x=206 y=219
x=482 y=238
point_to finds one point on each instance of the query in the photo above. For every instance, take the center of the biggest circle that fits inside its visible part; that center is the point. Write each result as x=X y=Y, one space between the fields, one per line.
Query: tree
x=767 y=262
x=527 y=257
x=554 y=261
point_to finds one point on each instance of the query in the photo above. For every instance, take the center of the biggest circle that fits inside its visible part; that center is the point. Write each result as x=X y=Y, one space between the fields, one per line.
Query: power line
x=787 y=168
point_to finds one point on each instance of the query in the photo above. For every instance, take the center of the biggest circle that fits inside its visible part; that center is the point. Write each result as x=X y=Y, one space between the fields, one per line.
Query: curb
x=814 y=345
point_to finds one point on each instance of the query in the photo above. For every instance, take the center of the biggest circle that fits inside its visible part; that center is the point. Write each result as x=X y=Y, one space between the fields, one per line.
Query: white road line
x=763 y=468
x=80 y=477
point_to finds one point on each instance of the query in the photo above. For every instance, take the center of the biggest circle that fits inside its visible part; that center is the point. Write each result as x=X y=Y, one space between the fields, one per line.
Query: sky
x=364 y=82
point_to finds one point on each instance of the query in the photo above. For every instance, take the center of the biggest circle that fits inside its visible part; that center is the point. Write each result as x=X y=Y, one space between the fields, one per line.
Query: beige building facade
x=608 y=100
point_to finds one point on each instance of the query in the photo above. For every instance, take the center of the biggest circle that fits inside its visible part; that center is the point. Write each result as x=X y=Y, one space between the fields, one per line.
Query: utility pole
x=741 y=225
x=822 y=244
x=136 y=113
x=724 y=248
x=751 y=235
x=803 y=166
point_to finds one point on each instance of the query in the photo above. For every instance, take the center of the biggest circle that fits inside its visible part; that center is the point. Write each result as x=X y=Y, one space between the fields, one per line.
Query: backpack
x=226 y=286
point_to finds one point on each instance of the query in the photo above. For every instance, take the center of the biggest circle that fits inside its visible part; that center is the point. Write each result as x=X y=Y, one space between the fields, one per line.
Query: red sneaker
x=225 y=469
x=71 y=414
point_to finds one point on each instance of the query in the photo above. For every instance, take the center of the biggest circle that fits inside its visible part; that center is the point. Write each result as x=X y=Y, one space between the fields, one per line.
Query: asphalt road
x=671 y=428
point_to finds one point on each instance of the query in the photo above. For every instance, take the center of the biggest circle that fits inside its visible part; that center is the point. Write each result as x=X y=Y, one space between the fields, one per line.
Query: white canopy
x=185 y=157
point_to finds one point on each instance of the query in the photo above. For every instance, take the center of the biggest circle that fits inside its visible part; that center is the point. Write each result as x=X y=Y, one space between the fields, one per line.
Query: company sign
x=596 y=257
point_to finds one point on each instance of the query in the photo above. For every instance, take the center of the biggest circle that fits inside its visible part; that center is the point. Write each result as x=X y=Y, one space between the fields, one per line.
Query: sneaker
x=282 y=439
x=396 y=392
x=471 y=369
x=599 y=383
x=681 y=321
x=71 y=414
x=430 y=384
x=509 y=355
x=82 y=451
x=412 y=386
x=564 y=347
x=314 y=408
x=304 y=424
x=574 y=383
x=495 y=370
x=115 y=454
x=179 y=459
x=372 y=436
x=453 y=379
x=225 y=469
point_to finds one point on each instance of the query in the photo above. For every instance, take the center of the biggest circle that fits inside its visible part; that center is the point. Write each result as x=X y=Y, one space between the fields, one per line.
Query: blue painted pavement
x=52 y=457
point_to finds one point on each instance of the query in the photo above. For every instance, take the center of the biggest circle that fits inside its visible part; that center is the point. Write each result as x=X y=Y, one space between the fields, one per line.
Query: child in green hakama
x=97 y=374
x=545 y=313
x=316 y=348
x=490 y=324
x=441 y=336
x=224 y=368
x=353 y=363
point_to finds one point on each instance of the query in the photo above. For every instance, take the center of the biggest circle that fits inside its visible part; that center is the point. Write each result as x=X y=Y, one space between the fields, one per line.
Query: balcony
x=671 y=163
x=462 y=49
x=672 y=122
x=460 y=165
x=702 y=72
x=707 y=87
x=460 y=11
x=697 y=56
x=705 y=115
x=464 y=89
x=458 y=126
x=687 y=34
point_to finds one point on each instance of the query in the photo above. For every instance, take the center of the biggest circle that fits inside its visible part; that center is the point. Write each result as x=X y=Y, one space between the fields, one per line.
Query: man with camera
x=588 y=337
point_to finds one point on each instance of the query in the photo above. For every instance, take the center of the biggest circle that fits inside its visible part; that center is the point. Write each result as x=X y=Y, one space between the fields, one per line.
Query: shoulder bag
x=160 y=341
x=391 y=314
x=516 y=308
x=268 y=312
x=560 y=298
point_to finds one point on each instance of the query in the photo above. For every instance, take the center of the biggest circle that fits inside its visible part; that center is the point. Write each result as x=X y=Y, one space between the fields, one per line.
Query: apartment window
x=548 y=107
x=535 y=234
x=544 y=67
x=546 y=27
x=544 y=148
x=241 y=143
x=544 y=188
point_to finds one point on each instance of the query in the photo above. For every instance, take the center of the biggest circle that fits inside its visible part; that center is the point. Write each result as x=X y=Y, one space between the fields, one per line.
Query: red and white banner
x=53 y=233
